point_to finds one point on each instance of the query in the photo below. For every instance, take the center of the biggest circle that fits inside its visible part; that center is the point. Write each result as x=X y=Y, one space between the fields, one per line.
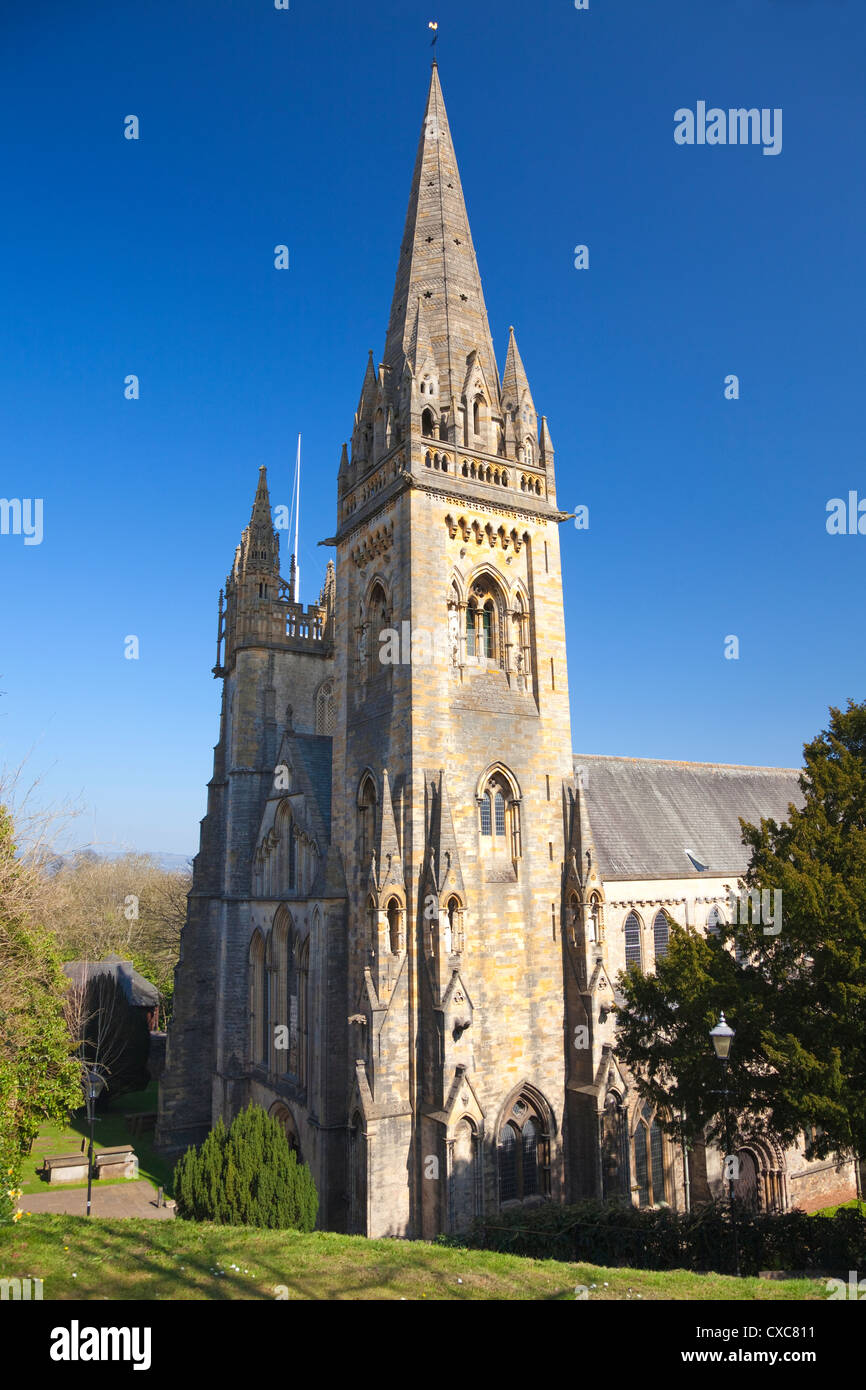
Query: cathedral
x=412 y=900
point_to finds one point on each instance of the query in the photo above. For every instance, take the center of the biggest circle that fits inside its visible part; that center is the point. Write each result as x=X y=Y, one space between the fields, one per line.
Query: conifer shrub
x=246 y=1175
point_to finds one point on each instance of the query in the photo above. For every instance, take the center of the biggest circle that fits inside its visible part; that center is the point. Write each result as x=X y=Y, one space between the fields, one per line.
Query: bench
x=141 y=1122
x=121 y=1161
x=66 y=1168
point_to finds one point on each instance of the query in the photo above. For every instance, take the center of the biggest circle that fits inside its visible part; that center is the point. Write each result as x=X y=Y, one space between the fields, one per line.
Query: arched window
x=523 y=1151
x=394 y=926
x=377 y=622
x=485 y=639
x=632 y=940
x=427 y=423
x=508 y=1189
x=714 y=922
x=326 y=709
x=661 y=934
x=649 y=1164
x=357 y=1176
x=366 y=821
x=259 y=1029
x=614 y=1149
x=292 y=856
x=453 y=940
x=528 y=454
x=279 y=978
x=304 y=1012
x=283 y=1115
x=499 y=809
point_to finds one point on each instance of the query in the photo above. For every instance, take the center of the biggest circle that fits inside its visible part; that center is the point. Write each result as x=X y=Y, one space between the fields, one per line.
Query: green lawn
x=120 y=1260
x=110 y=1129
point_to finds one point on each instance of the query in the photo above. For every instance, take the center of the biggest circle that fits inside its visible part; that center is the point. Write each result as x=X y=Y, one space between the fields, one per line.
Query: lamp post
x=94 y=1084
x=722 y=1036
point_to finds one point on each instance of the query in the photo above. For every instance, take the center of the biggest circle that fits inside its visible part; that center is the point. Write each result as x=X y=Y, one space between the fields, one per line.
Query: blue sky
x=258 y=127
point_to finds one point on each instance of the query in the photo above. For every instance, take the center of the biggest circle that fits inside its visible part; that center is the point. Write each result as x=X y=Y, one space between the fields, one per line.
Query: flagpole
x=295 y=598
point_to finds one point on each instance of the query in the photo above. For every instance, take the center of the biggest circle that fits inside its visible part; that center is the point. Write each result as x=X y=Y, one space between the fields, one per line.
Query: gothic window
x=499 y=810
x=632 y=940
x=326 y=709
x=283 y=1115
x=508 y=1189
x=614 y=1149
x=484 y=632
x=649 y=1165
x=376 y=624
x=366 y=821
x=291 y=855
x=357 y=1176
x=394 y=932
x=523 y=1151
x=259 y=1030
x=528 y=451
x=427 y=423
x=279 y=978
x=661 y=934
x=714 y=921
x=452 y=940
x=304 y=1012
x=596 y=919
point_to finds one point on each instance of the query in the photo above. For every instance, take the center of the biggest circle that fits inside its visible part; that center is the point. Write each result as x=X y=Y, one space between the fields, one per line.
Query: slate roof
x=139 y=991
x=313 y=752
x=648 y=815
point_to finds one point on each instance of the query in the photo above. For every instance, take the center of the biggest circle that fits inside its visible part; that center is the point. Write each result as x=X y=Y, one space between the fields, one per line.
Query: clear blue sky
x=155 y=257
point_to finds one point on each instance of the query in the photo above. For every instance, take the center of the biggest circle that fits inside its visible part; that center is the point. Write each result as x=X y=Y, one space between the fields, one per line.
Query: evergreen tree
x=797 y=997
x=246 y=1175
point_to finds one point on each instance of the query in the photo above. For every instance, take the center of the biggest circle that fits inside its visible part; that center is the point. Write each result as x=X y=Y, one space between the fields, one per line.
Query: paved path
x=118 y=1199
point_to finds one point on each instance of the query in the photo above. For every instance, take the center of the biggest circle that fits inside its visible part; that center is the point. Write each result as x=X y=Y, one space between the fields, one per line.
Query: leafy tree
x=39 y=1078
x=797 y=998
x=246 y=1175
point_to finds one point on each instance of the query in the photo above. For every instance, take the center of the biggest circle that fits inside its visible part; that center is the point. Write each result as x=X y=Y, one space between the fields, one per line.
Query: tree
x=797 y=998
x=246 y=1175
x=129 y=905
x=39 y=1078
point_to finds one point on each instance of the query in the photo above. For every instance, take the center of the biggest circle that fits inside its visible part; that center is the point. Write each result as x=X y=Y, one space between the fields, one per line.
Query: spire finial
x=434 y=25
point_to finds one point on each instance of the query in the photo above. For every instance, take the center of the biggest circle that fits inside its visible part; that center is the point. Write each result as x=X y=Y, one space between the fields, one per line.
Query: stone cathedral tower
x=452 y=740
x=411 y=902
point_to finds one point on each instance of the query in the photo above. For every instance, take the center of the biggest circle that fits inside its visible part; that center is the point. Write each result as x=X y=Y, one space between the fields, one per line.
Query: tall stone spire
x=259 y=549
x=438 y=266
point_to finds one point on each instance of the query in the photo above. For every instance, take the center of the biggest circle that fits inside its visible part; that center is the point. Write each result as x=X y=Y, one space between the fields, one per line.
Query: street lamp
x=94 y=1084
x=722 y=1036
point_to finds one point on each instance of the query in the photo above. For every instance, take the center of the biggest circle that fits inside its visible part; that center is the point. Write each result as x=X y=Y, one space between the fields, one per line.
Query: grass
x=110 y=1129
x=180 y=1260
x=853 y=1205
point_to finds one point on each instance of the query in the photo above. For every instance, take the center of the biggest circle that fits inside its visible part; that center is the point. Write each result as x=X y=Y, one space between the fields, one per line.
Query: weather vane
x=434 y=25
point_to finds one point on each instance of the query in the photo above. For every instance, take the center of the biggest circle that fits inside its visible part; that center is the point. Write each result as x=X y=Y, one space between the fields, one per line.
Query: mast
x=297 y=569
